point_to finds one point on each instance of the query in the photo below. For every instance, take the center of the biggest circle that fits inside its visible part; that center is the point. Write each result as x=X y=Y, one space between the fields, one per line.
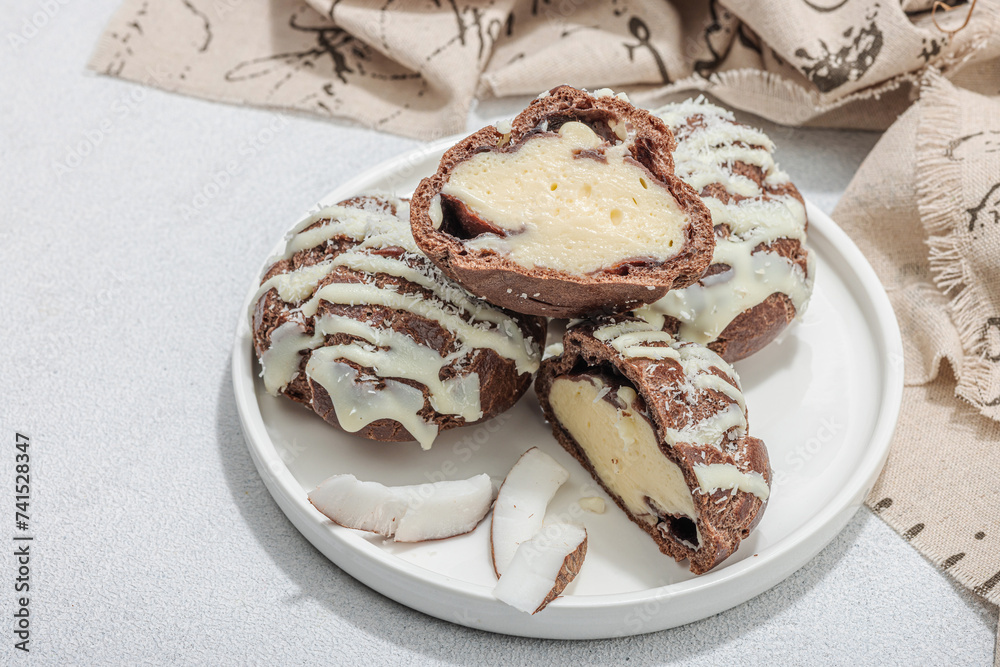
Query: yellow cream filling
x=569 y=211
x=622 y=447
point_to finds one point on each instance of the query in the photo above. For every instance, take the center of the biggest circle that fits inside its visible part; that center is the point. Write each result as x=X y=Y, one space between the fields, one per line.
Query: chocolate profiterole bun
x=358 y=325
x=761 y=275
x=572 y=210
x=661 y=424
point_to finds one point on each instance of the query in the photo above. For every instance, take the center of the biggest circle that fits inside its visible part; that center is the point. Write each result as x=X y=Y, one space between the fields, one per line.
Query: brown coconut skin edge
x=499 y=280
x=567 y=573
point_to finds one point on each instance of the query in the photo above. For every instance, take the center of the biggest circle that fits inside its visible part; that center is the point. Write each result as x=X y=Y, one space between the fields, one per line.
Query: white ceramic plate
x=824 y=398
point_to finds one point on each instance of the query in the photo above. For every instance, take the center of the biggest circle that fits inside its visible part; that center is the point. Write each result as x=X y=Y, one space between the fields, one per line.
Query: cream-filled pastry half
x=572 y=210
x=661 y=424
x=621 y=444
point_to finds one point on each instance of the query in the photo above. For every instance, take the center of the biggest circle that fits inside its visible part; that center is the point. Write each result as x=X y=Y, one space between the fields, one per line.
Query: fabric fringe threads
x=942 y=211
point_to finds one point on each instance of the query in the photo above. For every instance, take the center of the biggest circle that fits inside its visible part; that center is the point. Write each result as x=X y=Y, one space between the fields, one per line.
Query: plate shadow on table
x=352 y=602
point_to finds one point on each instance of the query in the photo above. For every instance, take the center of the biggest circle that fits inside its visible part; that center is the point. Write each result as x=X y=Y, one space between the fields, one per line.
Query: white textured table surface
x=124 y=268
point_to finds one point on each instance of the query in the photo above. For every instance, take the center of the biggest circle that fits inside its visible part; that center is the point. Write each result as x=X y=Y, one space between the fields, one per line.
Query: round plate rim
x=368 y=563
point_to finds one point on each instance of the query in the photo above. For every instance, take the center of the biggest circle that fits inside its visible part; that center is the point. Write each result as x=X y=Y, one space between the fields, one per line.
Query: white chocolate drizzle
x=294 y=286
x=718 y=476
x=280 y=362
x=633 y=339
x=507 y=343
x=607 y=92
x=434 y=211
x=358 y=403
x=458 y=395
x=553 y=350
x=351 y=222
x=704 y=156
x=384 y=355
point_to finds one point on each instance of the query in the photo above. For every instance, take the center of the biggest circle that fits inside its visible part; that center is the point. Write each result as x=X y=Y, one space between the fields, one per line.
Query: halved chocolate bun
x=573 y=210
x=353 y=321
x=661 y=424
x=761 y=275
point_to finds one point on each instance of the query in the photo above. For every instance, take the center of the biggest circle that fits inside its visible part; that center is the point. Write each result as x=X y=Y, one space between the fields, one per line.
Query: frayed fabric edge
x=938 y=181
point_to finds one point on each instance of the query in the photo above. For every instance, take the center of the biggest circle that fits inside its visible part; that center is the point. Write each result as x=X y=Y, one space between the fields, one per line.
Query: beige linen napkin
x=414 y=67
x=925 y=209
x=836 y=63
x=411 y=72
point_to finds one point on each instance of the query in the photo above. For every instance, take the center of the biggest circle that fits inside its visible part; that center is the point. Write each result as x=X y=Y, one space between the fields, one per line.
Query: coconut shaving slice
x=542 y=567
x=520 y=507
x=412 y=513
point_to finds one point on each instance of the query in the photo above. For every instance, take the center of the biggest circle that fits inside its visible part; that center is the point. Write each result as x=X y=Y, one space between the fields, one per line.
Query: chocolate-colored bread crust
x=549 y=291
x=722 y=524
x=756 y=327
x=500 y=383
